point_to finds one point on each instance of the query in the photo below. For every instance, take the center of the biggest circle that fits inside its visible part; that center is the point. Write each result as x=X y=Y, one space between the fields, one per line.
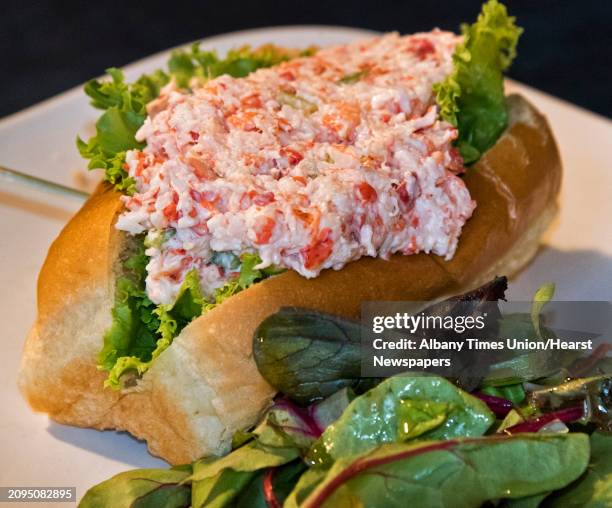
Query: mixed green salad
x=472 y=98
x=532 y=432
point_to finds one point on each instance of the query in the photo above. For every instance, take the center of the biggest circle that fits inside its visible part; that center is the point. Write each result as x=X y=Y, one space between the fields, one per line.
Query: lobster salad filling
x=308 y=165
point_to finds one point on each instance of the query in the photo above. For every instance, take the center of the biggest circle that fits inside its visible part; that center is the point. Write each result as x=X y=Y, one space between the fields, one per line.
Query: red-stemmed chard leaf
x=451 y=473
x=567 y=415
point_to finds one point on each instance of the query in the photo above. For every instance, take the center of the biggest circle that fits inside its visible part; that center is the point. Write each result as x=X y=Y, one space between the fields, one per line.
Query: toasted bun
x=206 y=385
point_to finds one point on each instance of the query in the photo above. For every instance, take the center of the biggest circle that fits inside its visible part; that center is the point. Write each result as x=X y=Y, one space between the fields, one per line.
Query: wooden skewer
x=12 y=176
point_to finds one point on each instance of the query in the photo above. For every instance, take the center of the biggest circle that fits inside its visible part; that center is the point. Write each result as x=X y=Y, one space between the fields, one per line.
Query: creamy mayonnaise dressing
x=313 y=163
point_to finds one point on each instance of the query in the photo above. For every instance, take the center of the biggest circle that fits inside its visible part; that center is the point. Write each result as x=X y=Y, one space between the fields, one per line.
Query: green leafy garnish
x=133 y=332
x=170 y=320
x=472 y=96
x=594 y=488
x=403 y=408
x=240 y=62
x=188 y=304
x=222 y=481
x=125 y=112
x=458 y=473
x=247 y=277
x=141 y=488
x=141 y=331
x=307 y=354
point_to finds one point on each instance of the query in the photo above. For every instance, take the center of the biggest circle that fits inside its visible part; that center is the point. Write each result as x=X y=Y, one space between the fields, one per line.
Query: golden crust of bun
x=206 y=385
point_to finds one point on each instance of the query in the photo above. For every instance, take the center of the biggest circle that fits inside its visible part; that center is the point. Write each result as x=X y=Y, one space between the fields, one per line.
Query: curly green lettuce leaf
x=134 y=327
x=472 y=96
x=124 y=108
x=170 y=320
x=187 y=306
x=124 y=104
x=185 y=65
x=125 y=96
x=141 y=331
x=248 y=276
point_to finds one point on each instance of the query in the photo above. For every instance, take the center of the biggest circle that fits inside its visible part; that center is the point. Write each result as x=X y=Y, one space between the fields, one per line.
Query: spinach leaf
x=220 y=481
x=221 y=489
x=255 y=455
x=276 y=442
x=307 y=354
x=455 y=473
x=141 y=488
x=222 y=484
x=472 y=96
x=483 y=302
x=403 y=408
x=594 y=488
x=305 y=485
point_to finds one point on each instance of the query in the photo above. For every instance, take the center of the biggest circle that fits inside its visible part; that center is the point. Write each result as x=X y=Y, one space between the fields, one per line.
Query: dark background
x=48 y=47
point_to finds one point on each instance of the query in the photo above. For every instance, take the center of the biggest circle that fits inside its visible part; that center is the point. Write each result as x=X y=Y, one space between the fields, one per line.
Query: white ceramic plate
x=40 y=140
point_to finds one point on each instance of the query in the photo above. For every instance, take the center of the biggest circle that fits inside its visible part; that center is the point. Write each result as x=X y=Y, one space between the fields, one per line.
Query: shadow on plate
x=37 y=204
x=118 y=446
x=578 y=274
